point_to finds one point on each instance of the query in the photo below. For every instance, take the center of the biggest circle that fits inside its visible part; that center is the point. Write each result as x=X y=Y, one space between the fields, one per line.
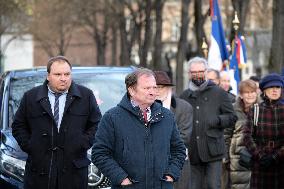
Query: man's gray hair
x=197 y=60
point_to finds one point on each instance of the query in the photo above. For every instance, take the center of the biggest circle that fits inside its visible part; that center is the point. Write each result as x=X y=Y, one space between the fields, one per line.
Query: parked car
x=107 y=83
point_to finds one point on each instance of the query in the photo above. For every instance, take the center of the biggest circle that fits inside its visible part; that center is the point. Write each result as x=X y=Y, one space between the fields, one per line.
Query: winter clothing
x=162 y=78
x=56 y=157
x=184 y=115
x=239 y=175
x=265 y=141
x=212 y=112
x=271 y=80
x=127 y=147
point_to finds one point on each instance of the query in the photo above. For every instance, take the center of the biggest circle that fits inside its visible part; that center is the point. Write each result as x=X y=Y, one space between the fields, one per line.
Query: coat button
x=197 y=137
x=196 y=121
x=197 y=107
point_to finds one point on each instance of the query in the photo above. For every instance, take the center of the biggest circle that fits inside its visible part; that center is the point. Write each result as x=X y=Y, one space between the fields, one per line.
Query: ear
x=131 y=91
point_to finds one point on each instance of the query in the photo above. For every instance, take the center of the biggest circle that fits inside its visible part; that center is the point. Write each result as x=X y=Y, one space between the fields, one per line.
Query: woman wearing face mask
x=240 y=176
x=264 y=137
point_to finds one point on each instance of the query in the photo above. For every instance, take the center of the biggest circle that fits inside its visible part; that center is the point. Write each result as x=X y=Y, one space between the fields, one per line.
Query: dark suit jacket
x=53 y=154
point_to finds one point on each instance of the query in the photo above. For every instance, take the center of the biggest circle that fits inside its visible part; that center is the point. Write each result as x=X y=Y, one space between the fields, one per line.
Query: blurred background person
x=213 y=75
x=256 y=79
x=239 y=175
x=264 y=136
x=225 y=84
x=183 y=114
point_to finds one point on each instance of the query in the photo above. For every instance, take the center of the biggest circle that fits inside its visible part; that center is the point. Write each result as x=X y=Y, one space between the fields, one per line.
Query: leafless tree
x=276 y=55
x=52 y=25
x=182 y=45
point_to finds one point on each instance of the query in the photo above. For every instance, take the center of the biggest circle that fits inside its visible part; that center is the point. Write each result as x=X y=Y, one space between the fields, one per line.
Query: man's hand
x=169 y=179
x=125 y=182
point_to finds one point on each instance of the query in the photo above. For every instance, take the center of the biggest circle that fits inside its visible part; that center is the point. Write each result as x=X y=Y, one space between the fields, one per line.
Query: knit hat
x=271 y=80
x=162 y=78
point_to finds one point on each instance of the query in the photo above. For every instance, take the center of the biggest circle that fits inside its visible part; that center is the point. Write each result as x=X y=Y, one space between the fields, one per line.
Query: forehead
x=146 y=79
x=60 y=66
x=197 y=66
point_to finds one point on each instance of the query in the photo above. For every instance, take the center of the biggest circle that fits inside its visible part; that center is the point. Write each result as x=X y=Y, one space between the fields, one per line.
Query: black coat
x=56 y=156
x=126 y=147
x=212 y=113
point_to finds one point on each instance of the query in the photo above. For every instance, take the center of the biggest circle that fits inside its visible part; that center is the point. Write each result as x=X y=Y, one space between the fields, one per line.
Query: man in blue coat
x=137 y=143
x=55 y=125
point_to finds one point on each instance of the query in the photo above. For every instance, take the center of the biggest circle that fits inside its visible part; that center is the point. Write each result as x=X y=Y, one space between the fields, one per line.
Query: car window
x=107 y=87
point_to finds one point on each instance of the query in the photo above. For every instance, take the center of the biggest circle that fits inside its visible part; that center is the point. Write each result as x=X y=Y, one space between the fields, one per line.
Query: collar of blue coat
x=125 y=103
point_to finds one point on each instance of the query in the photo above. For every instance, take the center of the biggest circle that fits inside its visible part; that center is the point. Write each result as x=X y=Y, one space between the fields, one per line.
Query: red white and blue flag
x=238 y=60
x=217 y=51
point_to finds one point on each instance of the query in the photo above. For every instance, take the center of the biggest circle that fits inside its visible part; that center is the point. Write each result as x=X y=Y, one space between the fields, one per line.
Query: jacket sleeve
x=178 y=155
x=103 y=150
x=227 y=117
x=20 y=127
x=92 y=122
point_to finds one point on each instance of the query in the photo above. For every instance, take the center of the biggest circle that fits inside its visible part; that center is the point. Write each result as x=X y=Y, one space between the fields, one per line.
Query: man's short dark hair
x=132 y=78
x=58 y=58
x=255 y=78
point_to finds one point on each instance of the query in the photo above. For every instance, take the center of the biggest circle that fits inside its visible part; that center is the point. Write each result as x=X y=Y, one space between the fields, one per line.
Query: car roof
x=75 y=69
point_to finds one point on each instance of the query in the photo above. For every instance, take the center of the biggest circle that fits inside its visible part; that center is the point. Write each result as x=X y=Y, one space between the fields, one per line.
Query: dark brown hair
x=57 y=59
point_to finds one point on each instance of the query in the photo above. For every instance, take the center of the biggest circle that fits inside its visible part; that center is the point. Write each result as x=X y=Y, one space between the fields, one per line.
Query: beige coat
x=239 y=175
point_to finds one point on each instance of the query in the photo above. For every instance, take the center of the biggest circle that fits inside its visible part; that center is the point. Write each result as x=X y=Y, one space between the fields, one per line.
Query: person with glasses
x=212 y=113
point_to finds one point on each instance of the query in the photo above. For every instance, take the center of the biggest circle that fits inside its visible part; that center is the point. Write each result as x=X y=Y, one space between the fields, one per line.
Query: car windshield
x=107 y=87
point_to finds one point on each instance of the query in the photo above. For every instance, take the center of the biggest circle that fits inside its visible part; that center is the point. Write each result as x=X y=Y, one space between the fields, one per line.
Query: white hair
x=197 y=60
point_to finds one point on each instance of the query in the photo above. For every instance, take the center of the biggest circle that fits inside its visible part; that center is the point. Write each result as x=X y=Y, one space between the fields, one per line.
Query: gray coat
x=212 y=112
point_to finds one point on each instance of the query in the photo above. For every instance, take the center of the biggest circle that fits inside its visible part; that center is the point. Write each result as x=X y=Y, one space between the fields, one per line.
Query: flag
x=238 y=61
x=240 y=51
x=217 y=51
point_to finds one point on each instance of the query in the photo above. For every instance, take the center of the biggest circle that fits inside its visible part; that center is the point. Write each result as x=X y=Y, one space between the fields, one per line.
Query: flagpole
x=204 y=48
x=236 y=24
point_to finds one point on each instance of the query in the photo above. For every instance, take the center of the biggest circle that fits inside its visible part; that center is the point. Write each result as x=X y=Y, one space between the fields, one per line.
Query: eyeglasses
x=197 y=72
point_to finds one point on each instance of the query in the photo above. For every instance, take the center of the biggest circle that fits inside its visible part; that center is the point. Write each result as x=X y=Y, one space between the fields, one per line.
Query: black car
x=107 y=83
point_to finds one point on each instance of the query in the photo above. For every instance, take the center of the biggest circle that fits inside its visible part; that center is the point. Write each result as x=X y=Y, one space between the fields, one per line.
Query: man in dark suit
x=55 y=125
x=212 y=113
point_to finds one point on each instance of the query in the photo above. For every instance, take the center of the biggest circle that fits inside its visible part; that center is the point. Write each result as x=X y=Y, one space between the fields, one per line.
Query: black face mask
x=198 y=80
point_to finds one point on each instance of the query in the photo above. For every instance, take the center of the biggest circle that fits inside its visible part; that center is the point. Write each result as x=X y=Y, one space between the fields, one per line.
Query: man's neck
x=143 y=107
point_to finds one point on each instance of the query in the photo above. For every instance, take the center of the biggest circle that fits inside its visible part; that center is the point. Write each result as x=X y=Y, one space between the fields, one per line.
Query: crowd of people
x=154 y=139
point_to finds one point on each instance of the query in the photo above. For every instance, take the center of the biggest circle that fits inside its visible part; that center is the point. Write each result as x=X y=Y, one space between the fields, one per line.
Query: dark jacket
x=212 y=112
x=266 y=138
x=127 y=147
x=53 y=154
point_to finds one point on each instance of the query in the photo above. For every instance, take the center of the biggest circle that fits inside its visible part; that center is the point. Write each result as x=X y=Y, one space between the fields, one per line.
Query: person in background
x=239 y=175
x=225 y=84
x=137 y=144
x=183 y=114
x=264 y=134
x=213 y=75
x=256 y=79
x=55 y=125
x=212 y=113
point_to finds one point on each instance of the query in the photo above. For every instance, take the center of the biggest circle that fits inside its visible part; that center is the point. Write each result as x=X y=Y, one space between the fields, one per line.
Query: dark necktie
x=56 y=107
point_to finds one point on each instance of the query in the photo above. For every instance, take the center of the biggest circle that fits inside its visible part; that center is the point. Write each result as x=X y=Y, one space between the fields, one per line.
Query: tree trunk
x=158 y=45
x=114 y=46
x=277 y=46
x=182 y=45
x=125 y=52
x=147 y=35
x=199 y=23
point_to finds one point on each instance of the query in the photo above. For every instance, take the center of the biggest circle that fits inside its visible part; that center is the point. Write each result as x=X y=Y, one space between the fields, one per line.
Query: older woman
x=264 y=136
x=240 y=176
